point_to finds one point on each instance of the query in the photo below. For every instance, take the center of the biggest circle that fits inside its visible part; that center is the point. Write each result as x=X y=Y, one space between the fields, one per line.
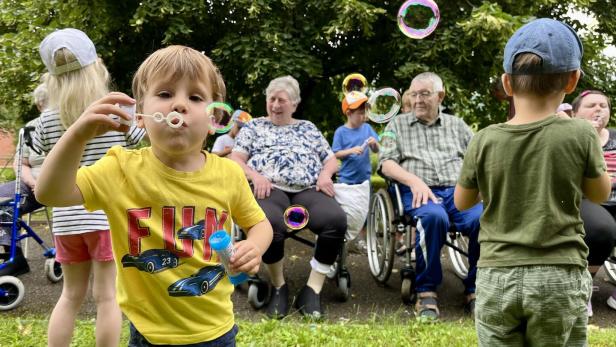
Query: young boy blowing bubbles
x=153 y=194
x=532 y=282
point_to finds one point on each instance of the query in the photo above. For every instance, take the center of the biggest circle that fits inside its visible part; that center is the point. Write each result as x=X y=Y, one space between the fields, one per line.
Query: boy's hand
x=357 y=150
x=373 y=144
x=247 y=258
x=96 y=120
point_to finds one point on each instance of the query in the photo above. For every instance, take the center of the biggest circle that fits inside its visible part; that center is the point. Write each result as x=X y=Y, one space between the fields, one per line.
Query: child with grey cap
x=532 y=281
x=77 y=77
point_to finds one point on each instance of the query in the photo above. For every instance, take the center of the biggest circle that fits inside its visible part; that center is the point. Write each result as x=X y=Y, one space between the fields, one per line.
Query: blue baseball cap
x=556 y=43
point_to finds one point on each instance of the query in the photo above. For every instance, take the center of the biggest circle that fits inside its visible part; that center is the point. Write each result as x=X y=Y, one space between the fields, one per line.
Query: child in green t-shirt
x=531 y=172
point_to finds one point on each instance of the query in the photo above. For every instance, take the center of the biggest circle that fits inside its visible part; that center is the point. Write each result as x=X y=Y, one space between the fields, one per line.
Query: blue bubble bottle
x=220 y=242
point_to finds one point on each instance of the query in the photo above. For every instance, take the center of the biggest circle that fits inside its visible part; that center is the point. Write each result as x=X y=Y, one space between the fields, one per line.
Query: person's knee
x=430 y=217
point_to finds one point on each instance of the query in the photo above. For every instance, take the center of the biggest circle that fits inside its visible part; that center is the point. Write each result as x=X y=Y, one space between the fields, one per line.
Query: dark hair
x=577 y=102
x=525 y=81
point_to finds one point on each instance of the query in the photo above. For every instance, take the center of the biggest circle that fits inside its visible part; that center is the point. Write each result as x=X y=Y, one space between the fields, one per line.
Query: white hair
x=286 y=84
x=437 y=82
x=40 y=97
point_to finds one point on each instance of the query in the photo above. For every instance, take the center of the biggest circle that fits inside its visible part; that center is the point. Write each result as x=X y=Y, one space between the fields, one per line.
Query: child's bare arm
x=343 y=153
x=465 y=198
x=56 y=185
x=247 y=257
x=597 y=189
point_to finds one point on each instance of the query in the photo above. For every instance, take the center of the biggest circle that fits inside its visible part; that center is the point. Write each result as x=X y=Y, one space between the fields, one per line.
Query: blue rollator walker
x=11 y=288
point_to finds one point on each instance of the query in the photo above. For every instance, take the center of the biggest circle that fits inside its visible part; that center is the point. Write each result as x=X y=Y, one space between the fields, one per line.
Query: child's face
x=186 y=96
x=357 y=116
x=595 y=109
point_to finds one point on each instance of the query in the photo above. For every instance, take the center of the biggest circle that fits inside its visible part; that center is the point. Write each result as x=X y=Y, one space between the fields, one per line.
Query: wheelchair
x=11 y=288
x=386 y=218
x=296 y=219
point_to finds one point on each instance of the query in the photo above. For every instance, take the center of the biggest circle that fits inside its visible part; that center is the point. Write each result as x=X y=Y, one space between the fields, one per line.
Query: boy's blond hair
x=176 y=62
x=536 y=84
x=73 y=91
x=407 y=101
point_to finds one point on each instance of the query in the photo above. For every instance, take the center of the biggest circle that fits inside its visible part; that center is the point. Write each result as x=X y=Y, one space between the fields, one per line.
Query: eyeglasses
x=422 y=95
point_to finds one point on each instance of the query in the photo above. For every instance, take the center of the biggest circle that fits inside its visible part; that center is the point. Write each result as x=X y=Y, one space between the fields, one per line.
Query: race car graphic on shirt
x=152 y=260
x=199 y=283
x=193 y=232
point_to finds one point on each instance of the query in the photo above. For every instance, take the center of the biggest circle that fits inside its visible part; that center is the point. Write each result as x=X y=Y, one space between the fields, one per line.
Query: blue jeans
x=432 y=223
x=226 y=340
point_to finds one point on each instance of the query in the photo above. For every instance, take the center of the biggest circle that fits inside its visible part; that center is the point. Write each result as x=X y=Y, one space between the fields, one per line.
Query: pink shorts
x=94 y=245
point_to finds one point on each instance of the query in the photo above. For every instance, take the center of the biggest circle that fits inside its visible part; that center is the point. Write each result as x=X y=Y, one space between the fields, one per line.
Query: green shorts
x=532 y=305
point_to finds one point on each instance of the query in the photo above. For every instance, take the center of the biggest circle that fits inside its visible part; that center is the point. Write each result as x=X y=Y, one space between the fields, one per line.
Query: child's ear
x=574 y=77
x=506 y=79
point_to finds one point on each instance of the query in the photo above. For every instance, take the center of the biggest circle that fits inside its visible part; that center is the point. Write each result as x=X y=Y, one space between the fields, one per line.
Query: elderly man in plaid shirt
x=426 y=160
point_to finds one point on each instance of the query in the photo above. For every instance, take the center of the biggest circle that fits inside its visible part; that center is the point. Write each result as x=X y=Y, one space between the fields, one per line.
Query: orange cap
x=353 y=100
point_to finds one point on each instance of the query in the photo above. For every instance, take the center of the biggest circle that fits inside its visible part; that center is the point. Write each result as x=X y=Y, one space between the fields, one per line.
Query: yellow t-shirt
x=170 y=283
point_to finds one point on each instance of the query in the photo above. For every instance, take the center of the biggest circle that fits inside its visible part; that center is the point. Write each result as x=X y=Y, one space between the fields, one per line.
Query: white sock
x=276 y=273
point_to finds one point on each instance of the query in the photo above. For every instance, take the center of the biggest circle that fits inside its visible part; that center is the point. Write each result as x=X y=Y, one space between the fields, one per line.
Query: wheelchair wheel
x=11 y=292
x=406 y=291
x=458 y=260
x=610 y=270
x=380 y=240
x=344 y=287
x=53 y=270
x=258 y=293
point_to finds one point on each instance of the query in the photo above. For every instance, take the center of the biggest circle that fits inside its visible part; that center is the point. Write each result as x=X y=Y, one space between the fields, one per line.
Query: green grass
x=32 y=331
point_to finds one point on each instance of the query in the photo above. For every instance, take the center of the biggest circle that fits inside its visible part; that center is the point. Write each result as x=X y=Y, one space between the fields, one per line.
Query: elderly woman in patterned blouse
x=289 y=162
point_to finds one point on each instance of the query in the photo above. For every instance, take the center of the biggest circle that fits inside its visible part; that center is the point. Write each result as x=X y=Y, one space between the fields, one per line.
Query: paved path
x=368 y=299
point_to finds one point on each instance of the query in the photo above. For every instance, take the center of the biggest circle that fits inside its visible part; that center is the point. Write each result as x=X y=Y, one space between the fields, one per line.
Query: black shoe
x=469 y=306
x=19 y=266
x=278 y=306
x=309 y=303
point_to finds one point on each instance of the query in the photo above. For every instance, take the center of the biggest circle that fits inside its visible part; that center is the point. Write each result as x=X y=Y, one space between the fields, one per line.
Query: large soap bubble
x=387 y=141
x=296 y=217
x=221 y=114
x=383 y=105
x=354 y=82
x=418 y=18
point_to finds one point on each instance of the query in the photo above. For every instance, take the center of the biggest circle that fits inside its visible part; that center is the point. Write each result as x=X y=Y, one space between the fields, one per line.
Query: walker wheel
x=53 y=270
x=11 y=292
x=258 y=294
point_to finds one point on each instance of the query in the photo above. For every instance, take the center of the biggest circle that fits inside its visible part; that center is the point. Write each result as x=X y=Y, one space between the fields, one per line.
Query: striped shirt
x=609 y=154
x=433 y=153
x=75 y=219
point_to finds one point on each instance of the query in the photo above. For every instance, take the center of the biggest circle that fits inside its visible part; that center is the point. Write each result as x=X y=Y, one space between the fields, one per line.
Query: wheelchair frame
x=259 y=289
x=385 y=219
x=12 y=290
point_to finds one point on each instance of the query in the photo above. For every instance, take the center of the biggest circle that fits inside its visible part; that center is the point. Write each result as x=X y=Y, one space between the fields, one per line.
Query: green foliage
x=6 y=174
x=319 y=42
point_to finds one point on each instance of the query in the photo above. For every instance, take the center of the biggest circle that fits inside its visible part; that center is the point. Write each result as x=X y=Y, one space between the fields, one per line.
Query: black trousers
x=600 y=227
x=327 y=219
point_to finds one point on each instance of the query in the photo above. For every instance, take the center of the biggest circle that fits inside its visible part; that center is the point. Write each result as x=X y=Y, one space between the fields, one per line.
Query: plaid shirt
x=433 y=153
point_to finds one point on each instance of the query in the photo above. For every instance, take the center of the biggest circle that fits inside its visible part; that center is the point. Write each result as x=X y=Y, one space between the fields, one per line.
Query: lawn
x=31 y=331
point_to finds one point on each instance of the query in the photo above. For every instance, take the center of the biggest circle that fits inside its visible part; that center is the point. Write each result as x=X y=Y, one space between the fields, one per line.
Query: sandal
x=426 y=306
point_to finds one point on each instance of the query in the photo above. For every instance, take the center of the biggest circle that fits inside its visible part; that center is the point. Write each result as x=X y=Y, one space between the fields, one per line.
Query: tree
x=317 y=41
